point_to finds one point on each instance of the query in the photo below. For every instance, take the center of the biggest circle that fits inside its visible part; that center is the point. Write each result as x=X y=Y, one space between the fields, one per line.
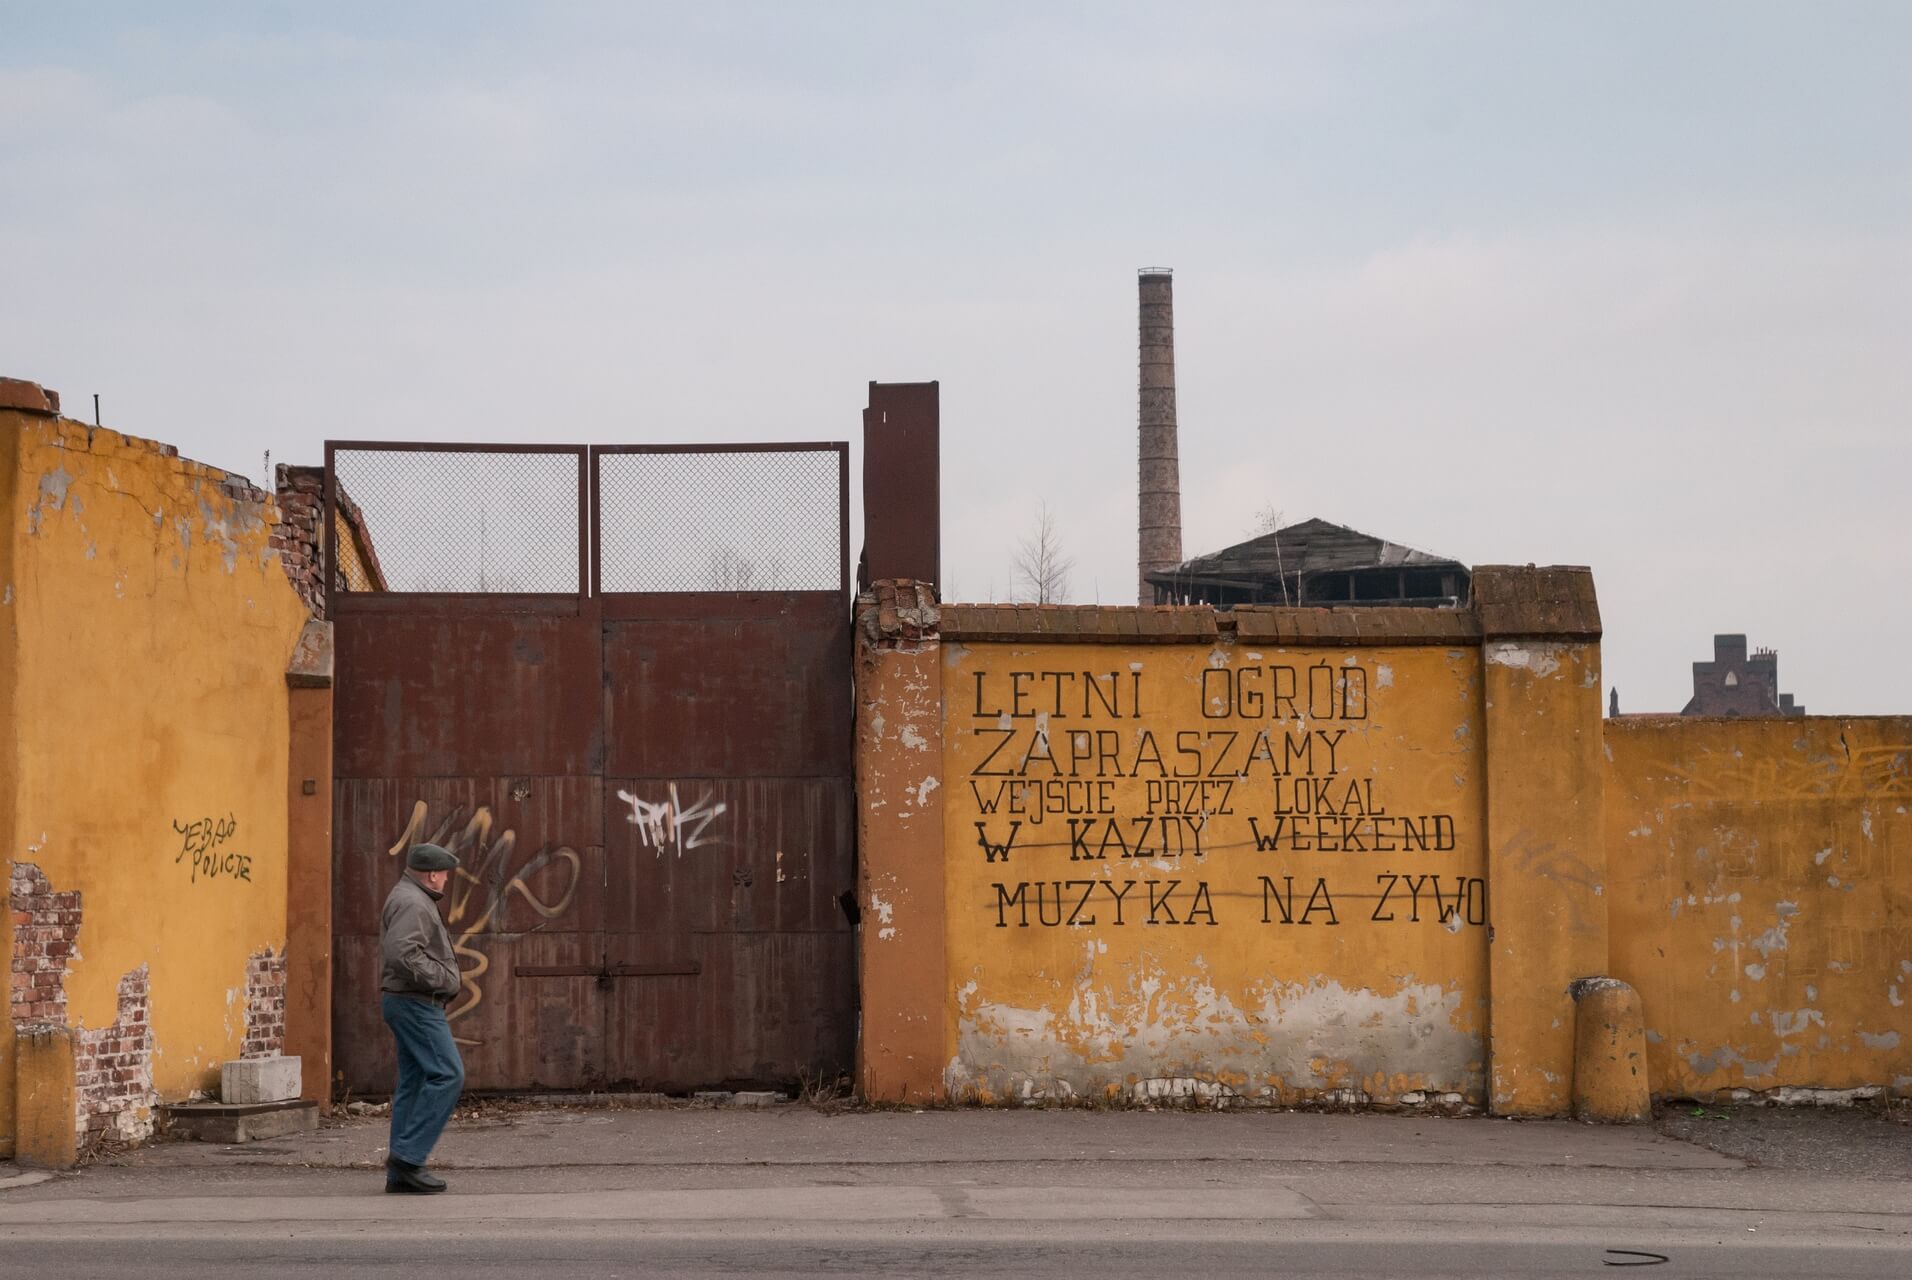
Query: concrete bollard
x=1609 y=1053
x=46 y=1111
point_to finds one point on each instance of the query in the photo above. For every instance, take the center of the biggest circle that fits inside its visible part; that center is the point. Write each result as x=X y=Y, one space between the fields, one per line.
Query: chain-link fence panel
x=457 y=520
x=766 y=518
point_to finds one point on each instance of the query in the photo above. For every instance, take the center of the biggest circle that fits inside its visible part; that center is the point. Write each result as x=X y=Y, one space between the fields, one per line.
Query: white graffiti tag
x=668 y=824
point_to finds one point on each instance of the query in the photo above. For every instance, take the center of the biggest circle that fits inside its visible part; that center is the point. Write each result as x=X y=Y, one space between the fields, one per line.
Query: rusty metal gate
x=616 y=682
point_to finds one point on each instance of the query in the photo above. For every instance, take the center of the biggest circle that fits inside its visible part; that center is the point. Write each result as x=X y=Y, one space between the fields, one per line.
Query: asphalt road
x=1113 y=1248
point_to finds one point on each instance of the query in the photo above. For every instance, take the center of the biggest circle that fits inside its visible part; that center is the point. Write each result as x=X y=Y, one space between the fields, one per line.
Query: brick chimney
x=1159 y=524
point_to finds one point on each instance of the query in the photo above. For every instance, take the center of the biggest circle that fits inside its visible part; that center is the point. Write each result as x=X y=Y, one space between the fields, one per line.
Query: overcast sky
x=1626 y=285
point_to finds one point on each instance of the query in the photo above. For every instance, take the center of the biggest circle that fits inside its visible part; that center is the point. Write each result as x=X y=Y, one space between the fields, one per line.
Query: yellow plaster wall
x=9 y=660
x=1761 y=875
x=1369 y=986
x=150 y=625
x=1546 y=857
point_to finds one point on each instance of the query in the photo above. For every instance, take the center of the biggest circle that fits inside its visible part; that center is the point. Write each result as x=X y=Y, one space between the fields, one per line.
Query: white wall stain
x=1152 y=1024
x=1535 y=658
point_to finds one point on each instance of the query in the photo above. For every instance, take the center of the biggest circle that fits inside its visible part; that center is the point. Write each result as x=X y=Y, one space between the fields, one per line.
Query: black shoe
x=410 y=1179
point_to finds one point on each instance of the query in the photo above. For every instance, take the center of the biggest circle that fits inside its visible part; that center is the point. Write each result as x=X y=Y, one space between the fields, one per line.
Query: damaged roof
x=1313 y=546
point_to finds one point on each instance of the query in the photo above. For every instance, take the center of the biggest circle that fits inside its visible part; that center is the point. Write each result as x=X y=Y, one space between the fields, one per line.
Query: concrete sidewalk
x=1027 y=1192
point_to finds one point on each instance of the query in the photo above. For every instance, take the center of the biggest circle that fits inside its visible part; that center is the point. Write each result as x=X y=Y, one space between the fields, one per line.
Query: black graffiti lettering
x=1351 y=836
x=1148 y=752
x=1092 y=686
x=1142 y=849
x=1112 y=831
x=1332 y=739
x=1215 y=770
x=1016 y=694
x=1354 y=694
x=1266 y=844
x=1054 y=680
x=979 y=712
x=1476 y=901
x=201 y=848
x=1202 y=905
x=1327 y=903
x=994 y=849
x=1387 y=881
x=1039 y=749
x=1297 y=747
x=1283 y=898
x=1013 y=902
x=1414 y=886
x=1081 y=749
x=1160 y=903
x=986 y=802
x=1195 y=751
x=1078 y=846
x=1088 y=887
x=1285 y=694
x=1108 y=746
x=1447 y=911
x=983 y=770
x=1321 y=692
x=1213 y=707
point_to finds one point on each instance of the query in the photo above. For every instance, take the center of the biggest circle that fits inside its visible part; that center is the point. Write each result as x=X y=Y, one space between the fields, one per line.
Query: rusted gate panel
x=470 y=717
x=649 y=789
x=727 y=756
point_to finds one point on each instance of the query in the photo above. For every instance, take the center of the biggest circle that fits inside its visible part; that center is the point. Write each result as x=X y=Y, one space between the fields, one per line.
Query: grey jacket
x=414 y=947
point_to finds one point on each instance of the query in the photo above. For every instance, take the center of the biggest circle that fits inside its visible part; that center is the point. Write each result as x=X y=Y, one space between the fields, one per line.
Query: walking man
x=418 y=976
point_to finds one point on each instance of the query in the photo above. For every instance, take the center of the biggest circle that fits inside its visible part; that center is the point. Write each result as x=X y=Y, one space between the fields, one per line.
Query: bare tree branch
x=1042 y=567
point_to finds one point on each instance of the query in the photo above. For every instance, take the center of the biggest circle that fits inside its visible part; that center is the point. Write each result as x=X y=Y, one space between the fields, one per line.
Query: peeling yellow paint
x=142 y=691
x=1250 y=927
x=1778 y=842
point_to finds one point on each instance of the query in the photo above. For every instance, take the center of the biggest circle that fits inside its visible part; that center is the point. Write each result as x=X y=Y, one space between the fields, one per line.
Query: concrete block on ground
x=245 y=1081
x=712 y=1097
x=762 y=1098
x=225 y=1122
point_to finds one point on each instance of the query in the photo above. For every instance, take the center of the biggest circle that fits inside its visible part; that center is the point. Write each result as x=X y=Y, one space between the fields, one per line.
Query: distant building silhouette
x=1733 y=684
x=1315 y=563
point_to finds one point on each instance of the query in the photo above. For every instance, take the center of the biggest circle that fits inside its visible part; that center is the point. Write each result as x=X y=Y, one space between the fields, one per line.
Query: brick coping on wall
x=1556 y=601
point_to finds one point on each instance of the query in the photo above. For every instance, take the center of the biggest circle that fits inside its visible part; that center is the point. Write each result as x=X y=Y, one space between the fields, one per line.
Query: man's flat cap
x=429 y=857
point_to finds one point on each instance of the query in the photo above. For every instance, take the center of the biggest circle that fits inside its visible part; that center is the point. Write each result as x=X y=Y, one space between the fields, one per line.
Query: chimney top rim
x=1155 y=271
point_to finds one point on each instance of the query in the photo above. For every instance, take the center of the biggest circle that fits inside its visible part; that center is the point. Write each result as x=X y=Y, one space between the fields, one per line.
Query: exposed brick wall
x=265 y=1004
x=113 y=1070
x=113 y=1067
x=899 y=613
x=301 y=516
x=46 y=930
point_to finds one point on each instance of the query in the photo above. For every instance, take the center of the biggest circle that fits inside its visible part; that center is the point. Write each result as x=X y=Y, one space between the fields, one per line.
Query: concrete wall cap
x=28 y=397
x=311 y=664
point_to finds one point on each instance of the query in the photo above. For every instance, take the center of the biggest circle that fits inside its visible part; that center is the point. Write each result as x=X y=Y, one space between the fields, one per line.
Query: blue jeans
x=430 y=1076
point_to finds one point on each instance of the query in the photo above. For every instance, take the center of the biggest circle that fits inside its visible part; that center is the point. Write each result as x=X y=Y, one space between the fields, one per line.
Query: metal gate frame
x=829 y=938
